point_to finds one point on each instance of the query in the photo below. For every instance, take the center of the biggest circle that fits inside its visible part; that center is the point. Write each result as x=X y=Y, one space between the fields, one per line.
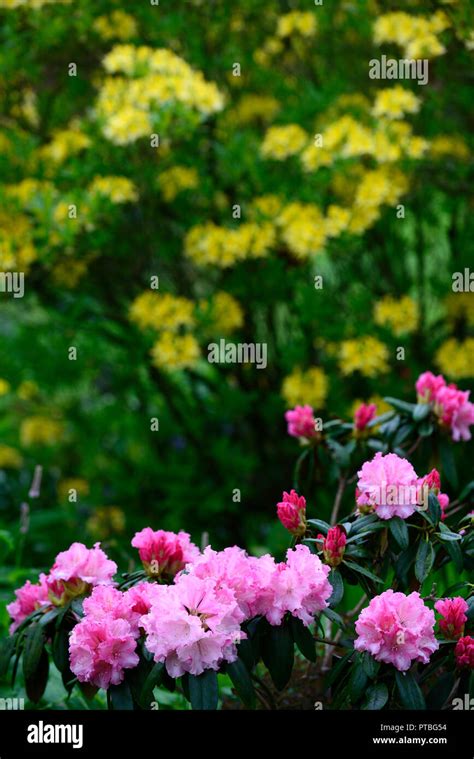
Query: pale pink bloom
x=389 y=485
x=464 y=652
x=101 y=649
x=301 y=422
x=90 y=565
x=428 y=385
x=192 y=626
x=291 y=512
x=463 y=419
x=107 y=601
x=164 y=554
x=453 y=615
x=29 y=598
x=444 y=503
x=397 y=629
x=334 y=545
x=299 y=586
x=364 y=414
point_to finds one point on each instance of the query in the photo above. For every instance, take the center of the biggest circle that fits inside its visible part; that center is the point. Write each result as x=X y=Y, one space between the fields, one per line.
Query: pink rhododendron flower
x=334 y=545
x=364 y=414
x=463 y=419
x=389 y=484
x=192 y=626
x=301 y=422
x=432 y=481
x=428 y=385
x=101 y=649
x=164 y=554
x=464 y=652
x=76 y=570
x=454 y=618
x=397 y=629
x=29 y=598
x=444 y=503
x=292 y=513
x=299 y=586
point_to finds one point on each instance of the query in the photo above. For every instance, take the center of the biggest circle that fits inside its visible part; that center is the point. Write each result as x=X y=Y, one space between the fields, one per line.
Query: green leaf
x=439 y=694
x=35 y=639
x=448 y=463
x=121 y=697
x=36 y=684
x=376 y=697
x=421 y=411
x=7 y=646
x=204 y=691
x=446 y=534
x=362 y=570
x=407 y=408
x=60 y=649
x=278 y=654
x=322 y=526
x=370 y=666
x=424 y=560
x=409 y=690
x=434 y=509
x=303 y=639
x=453 y=548
x=363 y=523
x=336 y=670
x=151 y=681
x=357 y=682
x=399 y=530
x=334 y=617
x=242 y=682
x=337 y=584
x=6 y=544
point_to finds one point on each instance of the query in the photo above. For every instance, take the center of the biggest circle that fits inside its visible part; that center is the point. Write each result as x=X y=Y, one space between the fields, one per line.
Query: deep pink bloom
x=432 y=480
x=453 y=615
x=428 y=385
x=389 y=485
x=77 y=570
x=334 y=545
x=455 y=411
x=464 y=652
x=364 y=414
x=29 y=598
x=101 y=649
x=444 y=503
x=397 y=629
x=164 y=554
x=292 y=513
x=301 y=422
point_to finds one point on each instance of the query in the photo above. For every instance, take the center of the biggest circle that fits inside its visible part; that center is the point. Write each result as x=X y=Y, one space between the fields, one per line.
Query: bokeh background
x=183 y=142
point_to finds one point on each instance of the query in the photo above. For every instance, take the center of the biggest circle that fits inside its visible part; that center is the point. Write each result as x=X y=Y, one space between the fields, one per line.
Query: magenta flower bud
x=433 y=481
x=464 y=652
x=291 y=512
x=334 y=545
x=301 y=422
x=363 y=415
x=453 y=616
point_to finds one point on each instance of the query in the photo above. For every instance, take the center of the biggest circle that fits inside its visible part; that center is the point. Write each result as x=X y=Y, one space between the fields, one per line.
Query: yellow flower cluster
x=33 y=4
x=4 y=387
x=69 y=271
x=78 y=484
x=116 y=189
x=253 y=108
x=305 y=387
x=106 y=521
x=127 y=105
x=401 y=315
x=27 y=390
x=65 y=143
x=156 y=311
x=226 y=314
x=297 y=22
x=176 y=180
x=417 y=35
x=40 y=430
x=395 y=102
x=460 y=306
x=266 y=207
x=280 y=142
x=173 y=352
x=366 y=355
x=456 y=358
x=17 y=252
x=383 y=186
x=210 y=244
x=449 y=145
x=118 y=25
x=10 y=458
x=337 y=220
x=303 y=229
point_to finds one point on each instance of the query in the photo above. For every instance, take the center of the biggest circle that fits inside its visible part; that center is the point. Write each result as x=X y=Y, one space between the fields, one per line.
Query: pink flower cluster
x=453 y=615
x=164 y=554
x=292 y=513
x=363 y=415
x=397 y=629
x=334 y=545
x=389 y=486
x=451 y=405
x=464 y=652
x=301 y=422
x=74 y=572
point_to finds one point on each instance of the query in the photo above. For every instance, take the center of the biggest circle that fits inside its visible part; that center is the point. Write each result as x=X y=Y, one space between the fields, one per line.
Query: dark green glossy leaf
x=278 y=654
x=242 y=682
x=425 y=556
x=399 y=530
x=409 y=690
x=303 y=638
x=376 y=697
x=203 y=690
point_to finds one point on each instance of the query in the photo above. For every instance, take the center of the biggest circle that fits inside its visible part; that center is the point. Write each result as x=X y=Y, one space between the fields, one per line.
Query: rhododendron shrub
x=219 y=625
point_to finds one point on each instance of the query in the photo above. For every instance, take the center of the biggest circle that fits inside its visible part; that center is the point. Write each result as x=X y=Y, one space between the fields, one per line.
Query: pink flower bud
x=164 y=554
x=334 y=545
x=291 y=512
x=433 y=481
x=428 y=385
x=453 y=616
x=364 y=414
x=301 y=422
x=464 y=652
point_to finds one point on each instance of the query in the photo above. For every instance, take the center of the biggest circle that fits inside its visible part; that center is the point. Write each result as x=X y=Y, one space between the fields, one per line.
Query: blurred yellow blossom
x=27 y=390
x=106 y=521
x=415 y=34
x=226 y=313
x=460 y=306
x=455 y=358
x=174 y=352
x=40 y=430
x=394 y=102
x=254 y=107
x=280 y=142
x=161 y=311
x=116 y=189
x=78 y=484
x=299 y=22
x=449 y=145
x=220 y=246
x=308 y=386
x=367 y=354
x=401 y=315
x=4 y=387
x=117 y=25
x=65 y=143
x=10 y=458
x=176 y=179
x=303 y=229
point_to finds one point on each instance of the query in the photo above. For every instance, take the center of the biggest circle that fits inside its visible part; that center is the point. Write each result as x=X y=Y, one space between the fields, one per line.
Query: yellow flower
x=169 y=312
x=174 y=352
x=456 y=358
x=449 y=145
x=69 y=272
x=303 y=229
x=226 y=313
x=176 y=179
x=106 y=521
x=266 y=206
x=40 y=430
x=117 y=25
x=27 y=390
x=365 y=354
x=337 y=219
x=4 y=387
x=303 y=23
x=401 y=315
x=255 y=107
x=65 y=143
x=305 y=387
x=280 y=142
x=10 y=458
x=415 y=34
x=116 y=189
x=460 y=306
x=208 y=244
x=78 y=484
x=394 y=102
